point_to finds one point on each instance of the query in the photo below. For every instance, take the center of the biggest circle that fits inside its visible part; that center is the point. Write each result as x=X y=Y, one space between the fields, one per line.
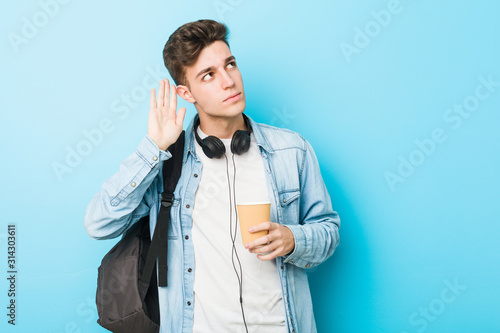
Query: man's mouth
x=233 y=98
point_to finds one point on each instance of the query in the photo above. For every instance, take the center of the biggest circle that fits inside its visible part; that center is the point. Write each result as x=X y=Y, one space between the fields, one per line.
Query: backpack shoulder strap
x=159 y=245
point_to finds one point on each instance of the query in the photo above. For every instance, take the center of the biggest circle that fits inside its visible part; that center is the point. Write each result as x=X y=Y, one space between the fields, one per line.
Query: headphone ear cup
x=240 y=142
x=213 y=147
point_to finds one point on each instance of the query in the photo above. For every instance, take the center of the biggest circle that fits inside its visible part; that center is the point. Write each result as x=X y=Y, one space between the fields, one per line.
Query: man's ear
x=185 y=93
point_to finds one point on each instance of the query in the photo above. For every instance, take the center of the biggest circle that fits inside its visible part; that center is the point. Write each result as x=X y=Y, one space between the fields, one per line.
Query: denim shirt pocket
x=289 y=205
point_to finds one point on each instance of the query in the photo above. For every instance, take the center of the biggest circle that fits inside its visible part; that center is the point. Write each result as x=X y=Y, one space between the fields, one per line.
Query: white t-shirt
x=216 y=287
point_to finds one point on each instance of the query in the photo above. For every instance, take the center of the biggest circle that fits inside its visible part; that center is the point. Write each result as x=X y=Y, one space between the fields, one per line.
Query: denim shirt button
x=307 y=266
x=188 y=303
x=133 y=184
x=282 y=267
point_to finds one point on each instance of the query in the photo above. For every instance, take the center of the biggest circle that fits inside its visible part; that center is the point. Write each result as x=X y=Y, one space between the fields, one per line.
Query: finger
x=180 y=116
x=167 y=94
x=152 y=102
x=262 y=226
x=268 y=247
x=268 y=256
x=161 y=92
x=173 y=98
x=259 y=241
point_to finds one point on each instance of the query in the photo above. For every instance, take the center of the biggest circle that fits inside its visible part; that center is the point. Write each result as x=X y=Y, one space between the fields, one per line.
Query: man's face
x=215 y=83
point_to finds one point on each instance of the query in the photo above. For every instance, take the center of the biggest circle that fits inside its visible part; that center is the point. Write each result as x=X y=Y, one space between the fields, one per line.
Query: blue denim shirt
x=299 y=200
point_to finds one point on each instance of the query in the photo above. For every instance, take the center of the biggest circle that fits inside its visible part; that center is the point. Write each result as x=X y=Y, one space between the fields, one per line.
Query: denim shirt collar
x=189 y=143
x=189 y=148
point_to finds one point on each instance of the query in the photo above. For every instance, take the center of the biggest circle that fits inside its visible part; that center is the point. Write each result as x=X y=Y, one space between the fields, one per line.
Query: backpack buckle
x=167 y=199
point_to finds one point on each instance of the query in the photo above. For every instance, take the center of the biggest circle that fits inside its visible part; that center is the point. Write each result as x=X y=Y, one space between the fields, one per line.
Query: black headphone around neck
x=213 y=147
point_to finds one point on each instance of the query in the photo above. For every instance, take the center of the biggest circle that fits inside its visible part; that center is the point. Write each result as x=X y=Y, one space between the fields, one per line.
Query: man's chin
x=232 y=112
x=235 y=109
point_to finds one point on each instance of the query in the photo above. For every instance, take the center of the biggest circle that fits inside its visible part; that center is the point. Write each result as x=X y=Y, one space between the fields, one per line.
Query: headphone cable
x=233 y=235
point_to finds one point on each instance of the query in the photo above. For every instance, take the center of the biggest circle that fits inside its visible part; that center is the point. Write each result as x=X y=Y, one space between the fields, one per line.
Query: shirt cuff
x=294 y=258
x=150 y=153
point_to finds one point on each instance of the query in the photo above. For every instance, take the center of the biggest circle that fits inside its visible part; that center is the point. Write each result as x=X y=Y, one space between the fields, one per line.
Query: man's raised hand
x=164 y=124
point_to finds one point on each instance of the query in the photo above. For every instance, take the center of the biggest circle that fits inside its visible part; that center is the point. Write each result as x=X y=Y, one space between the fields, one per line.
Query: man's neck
x=221 y=127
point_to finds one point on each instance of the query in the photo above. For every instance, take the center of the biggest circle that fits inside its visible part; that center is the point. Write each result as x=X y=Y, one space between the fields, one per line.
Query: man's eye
x=207 y=77
x=232 y=64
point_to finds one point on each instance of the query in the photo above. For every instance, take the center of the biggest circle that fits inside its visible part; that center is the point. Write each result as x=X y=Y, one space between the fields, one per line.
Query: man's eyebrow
x=211 y=68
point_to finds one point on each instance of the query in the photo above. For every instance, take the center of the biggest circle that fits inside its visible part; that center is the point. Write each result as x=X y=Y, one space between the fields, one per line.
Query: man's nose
x=227 y=81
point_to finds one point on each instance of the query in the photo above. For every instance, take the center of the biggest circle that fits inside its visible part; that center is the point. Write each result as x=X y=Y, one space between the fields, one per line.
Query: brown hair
x=186 y=43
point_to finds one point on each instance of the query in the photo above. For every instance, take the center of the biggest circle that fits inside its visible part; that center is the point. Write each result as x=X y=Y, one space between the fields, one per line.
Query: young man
x=217 y=283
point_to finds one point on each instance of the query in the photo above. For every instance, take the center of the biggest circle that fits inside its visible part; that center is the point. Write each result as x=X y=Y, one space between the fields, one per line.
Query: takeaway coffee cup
x=250 y=214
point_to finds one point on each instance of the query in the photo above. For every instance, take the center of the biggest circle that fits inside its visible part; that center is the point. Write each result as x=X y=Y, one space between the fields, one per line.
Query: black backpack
x=127 y=287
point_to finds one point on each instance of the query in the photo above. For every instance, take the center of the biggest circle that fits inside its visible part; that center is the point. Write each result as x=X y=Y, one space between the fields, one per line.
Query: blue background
x=419 y=255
